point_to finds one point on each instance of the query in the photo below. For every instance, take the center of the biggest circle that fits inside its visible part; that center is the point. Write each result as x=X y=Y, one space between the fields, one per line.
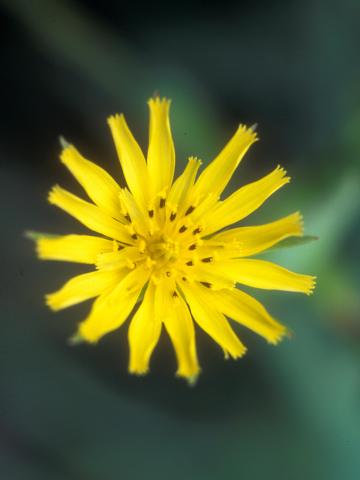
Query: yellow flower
x=163 y=245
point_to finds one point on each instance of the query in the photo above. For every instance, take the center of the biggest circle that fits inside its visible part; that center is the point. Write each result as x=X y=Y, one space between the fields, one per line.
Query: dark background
x=290 y=412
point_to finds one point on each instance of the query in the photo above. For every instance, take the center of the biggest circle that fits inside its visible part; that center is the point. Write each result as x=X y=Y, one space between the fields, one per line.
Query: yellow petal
x=111 y=309
x=139 y=218
x=262 y=274
x=144 y=333
x=208 y=317
x=126 y=257
x=131 y=158
x=81 y=288
x=182 y=185
x=217 y=175
x=89 y=215
x=247 y=311
x=244 y=201
x=73 y=248
x=161 y=153
x=246 y=241
x=180 y=328
x=172 y=309
x=209 y=274
x=98 y=184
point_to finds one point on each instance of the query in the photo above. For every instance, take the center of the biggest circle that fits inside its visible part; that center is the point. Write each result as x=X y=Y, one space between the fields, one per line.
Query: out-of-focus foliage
x=290 y=412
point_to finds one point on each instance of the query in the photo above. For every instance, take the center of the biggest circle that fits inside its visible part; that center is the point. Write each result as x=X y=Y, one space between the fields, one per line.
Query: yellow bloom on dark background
x=162 y=244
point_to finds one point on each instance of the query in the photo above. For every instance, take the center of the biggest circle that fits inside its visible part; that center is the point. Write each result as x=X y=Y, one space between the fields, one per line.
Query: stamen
x=172 y=216
x=151 y=213
x=190 y=263
x=196 y=231
x=192 y=247
x=207 y=259
x=206 y=284
x=162 y=202
x=183 y=229
x=190 y=210
x=128 y=218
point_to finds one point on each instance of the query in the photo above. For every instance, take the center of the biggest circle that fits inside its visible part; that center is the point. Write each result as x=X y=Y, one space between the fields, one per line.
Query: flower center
x=162 y=250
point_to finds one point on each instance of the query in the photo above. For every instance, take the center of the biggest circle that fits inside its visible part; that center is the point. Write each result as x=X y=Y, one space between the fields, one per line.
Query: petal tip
x=115 y=118
x=250 y=132
x=192 y=379
x=88 y=333
x=300 y=222
x=52 y=302
x=282 y=333
x=157 y=100
x=139 y=372
x=312 y=285
x=63 y=142
x=240 y=351
x=53 y=194
x=76 y=339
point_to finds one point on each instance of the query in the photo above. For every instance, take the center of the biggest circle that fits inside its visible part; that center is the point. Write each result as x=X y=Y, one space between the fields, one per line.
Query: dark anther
x=128 y=218
x=192 y=247
x=190 y=263
x=182 y=229
x=196 y=231
x=206 y=284
x=207 y=259
x=189 y=210
x=162 y=202
x=175 y=294
x=134 y=236
x=168 y=274
x=172 y=216
x=184 y=279
x=151 y=213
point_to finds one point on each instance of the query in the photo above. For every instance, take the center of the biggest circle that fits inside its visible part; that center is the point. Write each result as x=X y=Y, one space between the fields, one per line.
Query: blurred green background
x=291 y=412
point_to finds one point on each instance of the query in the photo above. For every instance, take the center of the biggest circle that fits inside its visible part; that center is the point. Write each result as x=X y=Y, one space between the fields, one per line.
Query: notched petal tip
x=312 y=282
x=277 y=337
x=53 y=194
x=156 y=100
x=250 y=132
x=282 y=173
x=194 y=160
x=240 y=353
x=51 y=301
x=115 y=117
x=235 y=355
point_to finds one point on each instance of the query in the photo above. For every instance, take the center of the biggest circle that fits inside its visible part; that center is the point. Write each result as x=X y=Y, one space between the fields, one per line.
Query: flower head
x=161 y=249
